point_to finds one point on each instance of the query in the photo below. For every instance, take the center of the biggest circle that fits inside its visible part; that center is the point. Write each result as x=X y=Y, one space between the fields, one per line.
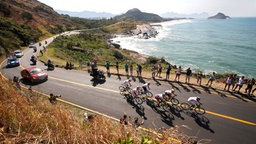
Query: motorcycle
x=33 y=60
x=98 y=74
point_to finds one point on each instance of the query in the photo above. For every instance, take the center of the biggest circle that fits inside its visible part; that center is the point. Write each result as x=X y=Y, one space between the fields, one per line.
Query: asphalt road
x=230 y=118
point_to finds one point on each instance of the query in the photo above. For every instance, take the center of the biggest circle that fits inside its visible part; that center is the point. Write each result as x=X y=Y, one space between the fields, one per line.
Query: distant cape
x=219 y=16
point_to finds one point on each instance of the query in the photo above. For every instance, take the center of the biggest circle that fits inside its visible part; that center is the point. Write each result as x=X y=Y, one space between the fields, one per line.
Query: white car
x=18 y=53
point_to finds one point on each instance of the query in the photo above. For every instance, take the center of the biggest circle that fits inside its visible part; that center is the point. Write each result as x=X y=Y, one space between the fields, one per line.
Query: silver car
x=18 y=53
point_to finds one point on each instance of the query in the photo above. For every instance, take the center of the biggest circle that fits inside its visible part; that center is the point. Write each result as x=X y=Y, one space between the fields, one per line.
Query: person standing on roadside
x=199 y=77
x=188 y=74
x=178 y=73
x=131 y=69
x=159 y=70
x=117 y=67
x=126 y=67
x=168 y=72
x=211 y=79
x=107 y=64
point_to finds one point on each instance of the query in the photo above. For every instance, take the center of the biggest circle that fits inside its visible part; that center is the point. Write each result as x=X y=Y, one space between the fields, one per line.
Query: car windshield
x=17 y=51
x=12 y=58
x=35 y=71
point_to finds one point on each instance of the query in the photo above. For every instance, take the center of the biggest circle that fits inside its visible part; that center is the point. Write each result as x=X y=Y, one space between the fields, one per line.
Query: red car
x=34 y=74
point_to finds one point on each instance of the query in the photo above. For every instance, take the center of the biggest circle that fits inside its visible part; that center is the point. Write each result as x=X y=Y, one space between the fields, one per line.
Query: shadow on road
x=95 y=81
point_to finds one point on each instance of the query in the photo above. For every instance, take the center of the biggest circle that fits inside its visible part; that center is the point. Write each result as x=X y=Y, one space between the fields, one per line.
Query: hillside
x=32 y=13
x=26 y=21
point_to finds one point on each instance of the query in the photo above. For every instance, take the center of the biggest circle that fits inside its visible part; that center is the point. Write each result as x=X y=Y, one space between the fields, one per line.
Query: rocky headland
x=219 y=16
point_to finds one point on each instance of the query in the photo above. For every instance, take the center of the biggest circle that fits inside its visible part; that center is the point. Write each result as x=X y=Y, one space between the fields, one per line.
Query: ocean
x=223 y=46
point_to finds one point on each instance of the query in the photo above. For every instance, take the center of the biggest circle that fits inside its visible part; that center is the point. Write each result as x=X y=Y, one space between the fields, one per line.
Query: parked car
x=12 y=61
x=18 y=53
x=34 y=74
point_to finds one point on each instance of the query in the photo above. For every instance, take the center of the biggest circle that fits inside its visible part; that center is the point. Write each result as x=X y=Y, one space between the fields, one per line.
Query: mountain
x=178 y=15
x=140 y=16
x=87 y=14
x=219 y=16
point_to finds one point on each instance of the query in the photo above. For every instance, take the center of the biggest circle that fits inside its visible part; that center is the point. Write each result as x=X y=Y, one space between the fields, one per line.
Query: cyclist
x=146 y=87
x=127 y=83
x=194 y=101
x=159 y=97
x=135 y=91
x=170 y=93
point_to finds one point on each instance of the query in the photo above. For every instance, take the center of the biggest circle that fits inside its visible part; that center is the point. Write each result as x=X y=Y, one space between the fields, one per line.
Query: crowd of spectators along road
x=233 y=82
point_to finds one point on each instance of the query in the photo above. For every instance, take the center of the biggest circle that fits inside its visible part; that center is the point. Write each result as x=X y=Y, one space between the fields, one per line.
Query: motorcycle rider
x=33 y=59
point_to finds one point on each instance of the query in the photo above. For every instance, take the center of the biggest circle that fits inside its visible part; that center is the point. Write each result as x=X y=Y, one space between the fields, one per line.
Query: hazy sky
x=233 y=8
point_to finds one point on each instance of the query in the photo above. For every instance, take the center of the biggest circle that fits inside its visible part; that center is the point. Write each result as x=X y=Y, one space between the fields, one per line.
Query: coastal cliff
x=219 y=16
x=144 y=31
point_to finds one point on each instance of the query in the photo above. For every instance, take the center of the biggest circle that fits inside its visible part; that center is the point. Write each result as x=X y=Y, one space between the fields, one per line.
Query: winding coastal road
x=229 y=118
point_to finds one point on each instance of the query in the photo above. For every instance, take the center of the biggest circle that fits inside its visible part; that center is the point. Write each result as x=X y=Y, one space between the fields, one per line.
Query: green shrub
x=152 y=60
x=5 y=9
x=27 y=15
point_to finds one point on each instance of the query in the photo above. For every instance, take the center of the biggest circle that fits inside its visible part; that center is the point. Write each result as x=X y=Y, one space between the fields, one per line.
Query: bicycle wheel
x=149 y=94
x=175 y=101
x=199 y=110
x=138 y=100
x=129 y=90
x=140 y=90
x=121 y=88
x=185 y=106
x=166 y=106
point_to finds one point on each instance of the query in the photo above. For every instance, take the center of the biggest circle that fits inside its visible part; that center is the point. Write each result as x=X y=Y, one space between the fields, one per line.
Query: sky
x=233 y=8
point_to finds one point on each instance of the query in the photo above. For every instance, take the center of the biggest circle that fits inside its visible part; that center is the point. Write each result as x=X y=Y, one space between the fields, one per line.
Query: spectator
x=168 y=72
x=188 y=74
x=126 y=66
x=107 y=64
x=228 y=82
x=140 y=70
x=117 y=67
x=178 y=72
x=250 y=84
x=159 y=70
x=153 y=71
x=235 y=80
x=239 y=84
x=137 y=69
x=131 y=70
x=211 y=79
x=199 y=77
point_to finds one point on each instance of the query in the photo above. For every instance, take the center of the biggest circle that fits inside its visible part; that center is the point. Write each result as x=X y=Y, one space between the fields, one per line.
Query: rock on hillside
x=219 y=16
x=140 y=16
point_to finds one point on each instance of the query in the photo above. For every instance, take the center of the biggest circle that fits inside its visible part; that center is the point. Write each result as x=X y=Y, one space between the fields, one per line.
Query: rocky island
x=219 y=16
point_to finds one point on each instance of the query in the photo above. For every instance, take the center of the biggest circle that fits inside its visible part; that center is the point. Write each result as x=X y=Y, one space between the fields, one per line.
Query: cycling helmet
x=173 y=90
x=130 y=80
x=198 y=97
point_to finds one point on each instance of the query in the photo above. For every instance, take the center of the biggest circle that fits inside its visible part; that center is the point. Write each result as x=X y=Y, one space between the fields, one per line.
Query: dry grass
x=26 y=117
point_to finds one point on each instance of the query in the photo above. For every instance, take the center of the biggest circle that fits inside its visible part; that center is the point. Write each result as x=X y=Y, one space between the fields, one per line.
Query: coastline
x=206 y=55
